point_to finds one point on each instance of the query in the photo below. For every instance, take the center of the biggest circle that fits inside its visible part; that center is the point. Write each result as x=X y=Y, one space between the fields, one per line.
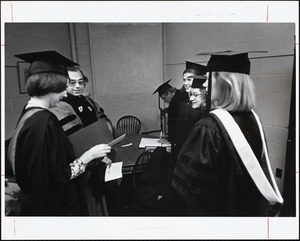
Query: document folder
x=86 y=138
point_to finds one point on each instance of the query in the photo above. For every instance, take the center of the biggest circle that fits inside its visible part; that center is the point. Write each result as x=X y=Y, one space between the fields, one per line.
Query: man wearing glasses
x=86 y=110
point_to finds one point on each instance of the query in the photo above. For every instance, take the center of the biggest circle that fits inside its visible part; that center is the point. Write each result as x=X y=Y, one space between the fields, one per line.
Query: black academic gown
x=173 y=114
x=210 y=175
x=42 y=170
x=89 y=112
x=186 y=118
x=154 y=195
x=83 y=108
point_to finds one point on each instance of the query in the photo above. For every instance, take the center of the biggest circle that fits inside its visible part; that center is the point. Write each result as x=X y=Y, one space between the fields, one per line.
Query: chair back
x=110 y=127
x=140 y=165
x=128 y=125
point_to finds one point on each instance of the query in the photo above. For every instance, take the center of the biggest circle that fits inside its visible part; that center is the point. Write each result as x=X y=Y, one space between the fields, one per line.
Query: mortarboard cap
x=47 y=62
x=230 y=61
x=200 y=69
x=198 y=83
x=162 y=88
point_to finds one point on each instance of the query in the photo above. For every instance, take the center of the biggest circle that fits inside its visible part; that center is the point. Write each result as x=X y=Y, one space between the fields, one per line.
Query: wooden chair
x=140 y=165
x=128 y=125
x=110 y=127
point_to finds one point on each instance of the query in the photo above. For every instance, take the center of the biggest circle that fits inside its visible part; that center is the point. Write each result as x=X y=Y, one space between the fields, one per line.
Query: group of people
x=186 y=105
x=214 y=175
x=218 y=144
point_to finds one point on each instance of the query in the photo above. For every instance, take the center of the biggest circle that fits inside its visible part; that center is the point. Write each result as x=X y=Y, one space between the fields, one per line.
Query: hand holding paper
x=95 y=152
x=106 y=160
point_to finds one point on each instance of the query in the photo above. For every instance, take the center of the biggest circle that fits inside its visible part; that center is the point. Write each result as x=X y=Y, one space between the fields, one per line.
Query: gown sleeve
x=63 y=110
x=173 y=111
x=77 y=167
x=198 y=167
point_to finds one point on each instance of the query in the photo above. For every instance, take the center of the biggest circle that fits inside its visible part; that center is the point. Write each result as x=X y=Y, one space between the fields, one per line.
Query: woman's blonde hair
x=236 y=91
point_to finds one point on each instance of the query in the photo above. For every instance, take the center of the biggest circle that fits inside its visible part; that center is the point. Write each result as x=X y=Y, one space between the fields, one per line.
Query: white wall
x=272 y=75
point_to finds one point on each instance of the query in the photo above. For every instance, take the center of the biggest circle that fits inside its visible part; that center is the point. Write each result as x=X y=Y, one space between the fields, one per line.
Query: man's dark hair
x=75 y=69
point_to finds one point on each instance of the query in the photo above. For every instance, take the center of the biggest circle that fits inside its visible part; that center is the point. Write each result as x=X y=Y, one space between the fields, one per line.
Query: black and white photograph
x=149 y=120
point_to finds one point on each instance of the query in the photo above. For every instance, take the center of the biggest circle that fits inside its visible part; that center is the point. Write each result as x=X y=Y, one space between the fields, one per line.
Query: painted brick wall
x=22 y=38
x=272 y=75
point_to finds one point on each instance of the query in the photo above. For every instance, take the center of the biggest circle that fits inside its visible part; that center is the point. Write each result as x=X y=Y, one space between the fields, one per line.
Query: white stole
x=248 y=157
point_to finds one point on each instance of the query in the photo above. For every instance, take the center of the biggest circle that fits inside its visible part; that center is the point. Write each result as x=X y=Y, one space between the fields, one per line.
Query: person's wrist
x=85 y=158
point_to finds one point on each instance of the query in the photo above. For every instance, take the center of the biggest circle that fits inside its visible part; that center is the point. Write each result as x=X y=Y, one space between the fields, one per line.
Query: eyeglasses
x=72 y=83
x=196 y=95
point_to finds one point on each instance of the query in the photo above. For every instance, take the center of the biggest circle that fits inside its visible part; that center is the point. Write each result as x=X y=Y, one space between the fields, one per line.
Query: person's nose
x=77 y=85
x=191 y=97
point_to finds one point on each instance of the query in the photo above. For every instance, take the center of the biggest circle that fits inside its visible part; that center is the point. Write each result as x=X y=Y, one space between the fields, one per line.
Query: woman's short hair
x=236 y=91
x=190 y=71
x=75 y=69
x=45 y=83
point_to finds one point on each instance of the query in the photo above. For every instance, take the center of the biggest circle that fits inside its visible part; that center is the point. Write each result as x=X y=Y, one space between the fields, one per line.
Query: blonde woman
x=211 y=174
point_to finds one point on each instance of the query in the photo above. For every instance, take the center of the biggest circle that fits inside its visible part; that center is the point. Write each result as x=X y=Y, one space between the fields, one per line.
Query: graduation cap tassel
x=160 y=113
x=208 y=97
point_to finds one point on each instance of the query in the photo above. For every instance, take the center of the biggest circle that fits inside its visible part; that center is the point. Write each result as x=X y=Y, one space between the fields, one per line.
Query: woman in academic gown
x=41 y=155
x=209 y=174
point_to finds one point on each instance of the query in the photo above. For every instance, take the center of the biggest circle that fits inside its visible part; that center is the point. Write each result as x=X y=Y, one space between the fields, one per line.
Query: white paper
x=153 y=142
x=113 y=171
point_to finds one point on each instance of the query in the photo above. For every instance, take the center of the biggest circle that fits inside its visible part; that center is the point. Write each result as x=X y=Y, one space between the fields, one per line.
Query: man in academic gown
x=87 y=111
x=84 y=108
x=171 y=96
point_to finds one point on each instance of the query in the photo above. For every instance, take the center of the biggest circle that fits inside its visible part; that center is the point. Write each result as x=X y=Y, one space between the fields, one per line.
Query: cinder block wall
x=272 y=75
x=23 y=38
